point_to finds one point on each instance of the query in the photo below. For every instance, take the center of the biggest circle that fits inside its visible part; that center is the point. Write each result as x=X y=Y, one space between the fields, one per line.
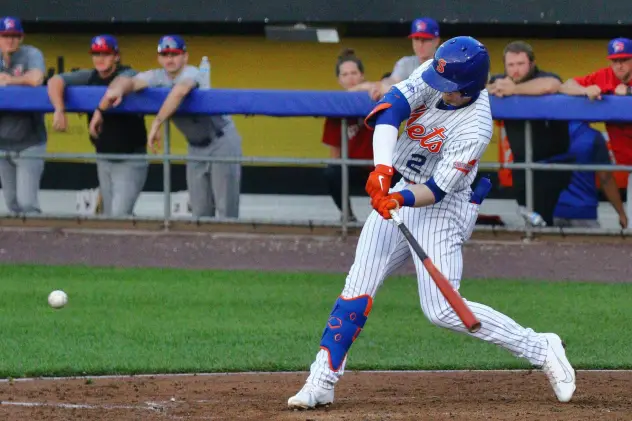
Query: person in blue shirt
x=577 y=204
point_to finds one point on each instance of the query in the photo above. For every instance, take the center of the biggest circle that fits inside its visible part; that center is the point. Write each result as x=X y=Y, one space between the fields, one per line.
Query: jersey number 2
x=416 y=163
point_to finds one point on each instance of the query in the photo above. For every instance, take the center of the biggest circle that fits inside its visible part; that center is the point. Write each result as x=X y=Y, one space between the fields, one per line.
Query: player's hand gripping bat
x=454 y=298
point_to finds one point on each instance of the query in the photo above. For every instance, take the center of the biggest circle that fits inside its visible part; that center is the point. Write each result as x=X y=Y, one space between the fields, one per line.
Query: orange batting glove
x=379 y=181
x=383 y=205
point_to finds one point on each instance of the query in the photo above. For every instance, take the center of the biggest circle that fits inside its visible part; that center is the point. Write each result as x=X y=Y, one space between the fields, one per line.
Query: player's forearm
x=539 y=86
x=570 y=87
x=172 y=103
x=56 y=93
x=384 y=140
x=364 y=86
x=423 y=195
x=30 y=78
x=122 y=84
x=611 y=191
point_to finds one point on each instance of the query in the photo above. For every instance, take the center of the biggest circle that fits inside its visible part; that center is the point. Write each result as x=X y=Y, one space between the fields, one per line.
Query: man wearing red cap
x=213 y=187
x=20 y=132
x=424 y=33
x=615 y=79
x=122 y=180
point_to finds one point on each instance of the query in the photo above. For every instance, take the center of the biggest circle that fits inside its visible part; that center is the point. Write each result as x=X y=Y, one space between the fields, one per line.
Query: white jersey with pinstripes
x=445 y=144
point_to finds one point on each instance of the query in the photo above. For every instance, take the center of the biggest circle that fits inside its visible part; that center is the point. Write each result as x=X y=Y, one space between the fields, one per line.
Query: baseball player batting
x=448 y=127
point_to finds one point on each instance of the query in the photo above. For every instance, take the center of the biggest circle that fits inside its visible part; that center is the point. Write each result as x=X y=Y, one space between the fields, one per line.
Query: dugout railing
x=279 y=103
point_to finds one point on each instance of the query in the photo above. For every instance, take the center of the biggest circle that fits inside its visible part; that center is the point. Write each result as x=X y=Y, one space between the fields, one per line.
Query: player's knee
x=442 y=316
x=345 y=323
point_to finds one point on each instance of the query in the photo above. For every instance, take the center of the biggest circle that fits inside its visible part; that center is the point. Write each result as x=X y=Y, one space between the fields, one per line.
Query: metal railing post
x=528 y=137
x=166 y=175
x=344 y=154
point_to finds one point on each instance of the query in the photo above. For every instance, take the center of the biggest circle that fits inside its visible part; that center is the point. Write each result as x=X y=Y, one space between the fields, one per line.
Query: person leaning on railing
x=21 y=65
x=615 y=79
x=213 y=187
x=121 y=180
x=549 y=138
x=424 y=33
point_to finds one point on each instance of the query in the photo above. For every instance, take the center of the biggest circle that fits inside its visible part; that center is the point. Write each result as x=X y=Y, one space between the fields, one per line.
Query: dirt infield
x=360 y=396
x=594 y=261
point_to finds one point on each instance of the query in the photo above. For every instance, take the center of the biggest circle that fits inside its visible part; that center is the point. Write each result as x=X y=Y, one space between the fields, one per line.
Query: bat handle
x=396 y=218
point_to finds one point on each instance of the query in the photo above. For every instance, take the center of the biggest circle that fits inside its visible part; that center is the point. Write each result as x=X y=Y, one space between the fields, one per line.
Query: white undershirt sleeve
x=384 y=139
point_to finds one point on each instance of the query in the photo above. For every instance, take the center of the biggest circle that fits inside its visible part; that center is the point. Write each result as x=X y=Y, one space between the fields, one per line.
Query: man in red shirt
x=613 y=80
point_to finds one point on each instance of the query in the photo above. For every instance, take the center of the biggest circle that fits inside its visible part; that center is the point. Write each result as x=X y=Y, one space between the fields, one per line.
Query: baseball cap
x=426 y=28
x=104 y=44
x=11 y=26
x=620 y=48
x=171 y=44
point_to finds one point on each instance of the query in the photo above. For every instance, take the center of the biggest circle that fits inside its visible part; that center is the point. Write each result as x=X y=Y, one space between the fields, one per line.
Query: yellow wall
x=253 y=62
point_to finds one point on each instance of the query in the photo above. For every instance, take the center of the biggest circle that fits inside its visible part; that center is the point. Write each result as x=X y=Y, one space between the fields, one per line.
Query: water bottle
x=205 y=69
x=532 y=218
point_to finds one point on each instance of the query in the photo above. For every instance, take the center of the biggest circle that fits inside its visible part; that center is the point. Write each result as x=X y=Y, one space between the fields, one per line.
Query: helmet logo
x=441 y=65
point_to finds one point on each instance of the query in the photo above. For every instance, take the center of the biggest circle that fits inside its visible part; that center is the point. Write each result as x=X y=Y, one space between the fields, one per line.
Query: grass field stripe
x=253 y=373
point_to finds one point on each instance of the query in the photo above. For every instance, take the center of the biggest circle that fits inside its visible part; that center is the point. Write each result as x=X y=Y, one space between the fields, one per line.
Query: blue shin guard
x=343 y=327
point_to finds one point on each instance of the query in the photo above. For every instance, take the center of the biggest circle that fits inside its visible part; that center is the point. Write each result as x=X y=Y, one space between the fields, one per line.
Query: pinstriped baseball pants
x=441 y=230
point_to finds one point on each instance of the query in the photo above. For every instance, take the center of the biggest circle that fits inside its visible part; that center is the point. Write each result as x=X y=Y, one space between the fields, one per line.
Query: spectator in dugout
x=214 y=188
x=21 y=65
x=616 y=79
x=549 y=138
x=120 y=180
x=350 y=73
x=578 y=203
x=424 y=33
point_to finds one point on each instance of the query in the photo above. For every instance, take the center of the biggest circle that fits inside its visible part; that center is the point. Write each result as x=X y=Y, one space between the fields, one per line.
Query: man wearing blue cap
x=213 y=187
x=25 y=133
x=122 y=180
x=424 y=33
x=615 y=79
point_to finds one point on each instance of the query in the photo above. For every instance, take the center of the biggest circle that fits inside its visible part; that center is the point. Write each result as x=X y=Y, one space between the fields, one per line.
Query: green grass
x=154 y=320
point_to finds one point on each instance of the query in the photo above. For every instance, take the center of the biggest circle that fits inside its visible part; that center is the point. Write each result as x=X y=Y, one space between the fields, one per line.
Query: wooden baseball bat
x=454 y=298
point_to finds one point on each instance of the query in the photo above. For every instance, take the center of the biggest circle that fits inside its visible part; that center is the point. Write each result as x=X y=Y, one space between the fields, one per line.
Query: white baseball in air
x=57 y=299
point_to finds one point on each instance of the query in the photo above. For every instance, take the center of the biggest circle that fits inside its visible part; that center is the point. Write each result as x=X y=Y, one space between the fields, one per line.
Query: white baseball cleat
x=557 y=368
x=310 y=397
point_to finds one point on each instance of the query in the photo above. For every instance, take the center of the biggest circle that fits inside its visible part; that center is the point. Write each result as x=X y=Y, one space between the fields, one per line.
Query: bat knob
x=475 y=327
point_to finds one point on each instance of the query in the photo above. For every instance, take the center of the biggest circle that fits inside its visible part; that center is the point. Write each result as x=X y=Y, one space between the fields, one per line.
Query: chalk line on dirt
x=253 y=373
x=151 y=406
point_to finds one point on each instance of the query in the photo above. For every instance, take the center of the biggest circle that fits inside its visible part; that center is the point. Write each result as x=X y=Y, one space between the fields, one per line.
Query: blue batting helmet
x=460 y=64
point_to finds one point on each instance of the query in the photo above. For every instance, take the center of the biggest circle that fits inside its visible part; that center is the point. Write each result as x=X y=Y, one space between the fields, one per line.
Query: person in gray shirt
x=213 y=187
x=424 y=34
x=21 y=132
x=120 y=180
